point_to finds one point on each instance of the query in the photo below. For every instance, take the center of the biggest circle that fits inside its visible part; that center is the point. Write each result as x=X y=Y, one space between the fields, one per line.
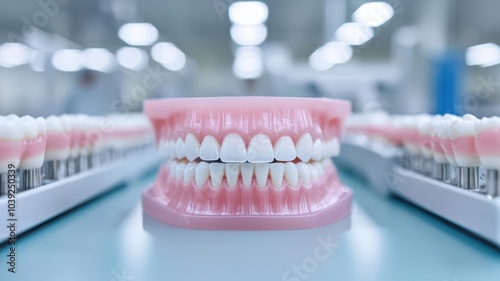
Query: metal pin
x=70 y=167
x=93 y=160
x=55 y=169
x=468 y=177
x=446 y=175
x=31 y=178
x=105 y=156
x=81 y=164
x=440 y=171
x=4 y=184
x=492 y=182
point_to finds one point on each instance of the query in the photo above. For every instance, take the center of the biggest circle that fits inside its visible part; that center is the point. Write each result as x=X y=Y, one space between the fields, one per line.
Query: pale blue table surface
x=385 y=239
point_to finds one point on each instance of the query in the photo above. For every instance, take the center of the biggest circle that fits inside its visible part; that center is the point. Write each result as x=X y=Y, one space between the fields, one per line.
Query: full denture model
x=247 y=162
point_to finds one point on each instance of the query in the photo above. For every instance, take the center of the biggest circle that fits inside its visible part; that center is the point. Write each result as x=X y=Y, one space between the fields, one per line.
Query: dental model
x=58 y=147
x=488 y=150
x=11 y=148
x=247 y=162
x=35 y=139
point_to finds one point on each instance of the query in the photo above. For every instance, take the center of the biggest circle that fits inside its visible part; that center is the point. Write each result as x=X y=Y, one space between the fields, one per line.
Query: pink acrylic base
x=154 y=206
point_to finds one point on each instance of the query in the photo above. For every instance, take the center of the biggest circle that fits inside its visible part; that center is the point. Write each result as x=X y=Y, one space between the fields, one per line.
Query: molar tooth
x=246 y=173
x=216 y=173
x=304 y=173
x=189 y=172
x=30 y=128
x=192 y=146
x=179 y=171
x=260 y=149
x=232 y=173
x=233 y=149
x=284 y=149
x=202 y=173
x=261 y=174
x=277 y=170
x=209 y=149
x=10 y=130
x=41 y=126
x=180 y=151
x=317 y=150
x=291 y=174
x=314 y=172
x=304 y=147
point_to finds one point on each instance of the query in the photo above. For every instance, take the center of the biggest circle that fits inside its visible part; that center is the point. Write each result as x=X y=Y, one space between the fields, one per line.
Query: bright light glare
x=138 y=34
x=14 y=54
x=336 y=52
x=354 y=33
x=98 y=59
x=167 y=54
x=373 y=13
x=67 y=60
x=317 y=62
x=132 y=58
x=248 y=13
x=248 y=35
x=484 y=55
x=248 y=63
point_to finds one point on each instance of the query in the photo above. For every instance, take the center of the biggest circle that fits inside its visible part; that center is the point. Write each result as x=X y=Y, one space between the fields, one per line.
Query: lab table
x=385 y=238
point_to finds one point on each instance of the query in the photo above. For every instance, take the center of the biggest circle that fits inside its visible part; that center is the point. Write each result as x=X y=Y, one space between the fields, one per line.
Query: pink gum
x=22 y=149
x=247 y=116
x=488 y=142
x=58 y=141
x=464 y=146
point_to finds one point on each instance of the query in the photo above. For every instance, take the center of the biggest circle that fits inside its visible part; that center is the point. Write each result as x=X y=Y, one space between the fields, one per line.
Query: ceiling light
x=132 y=58
x=484 y=55
x=98 y=59
x=248 y=35
x=67 y=60
x=248 y=13
x=14 y=54
x=248 y=63
x=373 y=13
x=354 y=33
x=138 y=34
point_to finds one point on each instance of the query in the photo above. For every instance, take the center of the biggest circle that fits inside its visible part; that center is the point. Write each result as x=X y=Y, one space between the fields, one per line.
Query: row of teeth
x=431 y=132
x=15 y=128
x=259 y=150
x=202 y=172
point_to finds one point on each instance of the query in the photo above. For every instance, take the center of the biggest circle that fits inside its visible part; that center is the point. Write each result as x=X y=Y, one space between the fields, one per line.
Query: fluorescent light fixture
x=484 y=55
x=317 y=62
x=167 y=54
x=373 y=13
x=138 y=34
x=98 y=59
x=68 y=60
x=336 y=52
x=248 y=63
x=248 y=35
x=132 y=58
x=14 y=54
x=248 y=13
x=354 y=33
x=37 y=63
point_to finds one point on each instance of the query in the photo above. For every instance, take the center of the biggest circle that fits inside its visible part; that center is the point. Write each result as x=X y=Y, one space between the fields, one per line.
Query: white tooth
x=189 y=172
x=317 y=150
x=304 y=173
x=334 y=147
x=171 y=149
x=314 y=172
x=291 y=174
x=260 y=149
x=209 y=149
x=232 y=173
x=284 y=150
x=233 y=149
x=172 y=167
x=462 y=127
x=180 y=151
x=41 y=126
x=261 y=174
x=304 y=147
x=277 y=170
x=320 y=169
x=11 y=131
x=246 y=173
x=30 y=128
x=192 y=146
x=202 y=173
x=324 y=150
x=216 y=173
x=179 y=171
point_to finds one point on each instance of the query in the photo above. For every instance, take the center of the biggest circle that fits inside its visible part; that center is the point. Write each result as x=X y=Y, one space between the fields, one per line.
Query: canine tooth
x=41 y=126
x=209 y=149
x=304 y=173
x=189 y=172
x=192 y=147
x=314 y=172
x=317 y=150
x=9 y=130
x=277 y=170
x=284 y=149
x=304 y=147
x=232 y=173
x=261 y=174
x=202 y=173
x=233 y=149
x=179 y=171
x=291 y=174
x=30 y=128
x=260 y=149
x=216 y=173
x=246 y=173
x=180 y=150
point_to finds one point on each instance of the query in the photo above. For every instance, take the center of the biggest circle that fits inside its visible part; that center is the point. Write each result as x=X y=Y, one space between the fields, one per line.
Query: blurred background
x=101 y=56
